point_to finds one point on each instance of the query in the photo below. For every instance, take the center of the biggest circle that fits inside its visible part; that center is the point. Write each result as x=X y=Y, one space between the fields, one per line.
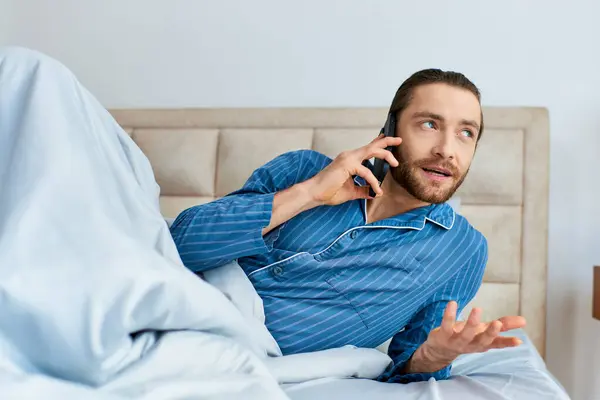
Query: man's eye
x=467 y=133
x=428 y=125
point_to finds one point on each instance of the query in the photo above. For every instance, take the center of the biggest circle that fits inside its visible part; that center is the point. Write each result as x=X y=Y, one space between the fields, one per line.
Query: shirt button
x=353 y=234
x=277 y=270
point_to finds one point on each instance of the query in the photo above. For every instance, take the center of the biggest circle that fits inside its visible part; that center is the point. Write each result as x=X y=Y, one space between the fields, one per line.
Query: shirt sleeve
x=215 y=233
x=462 y=288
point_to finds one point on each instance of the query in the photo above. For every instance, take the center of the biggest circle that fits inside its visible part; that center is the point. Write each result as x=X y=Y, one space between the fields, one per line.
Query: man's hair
x=427 y=76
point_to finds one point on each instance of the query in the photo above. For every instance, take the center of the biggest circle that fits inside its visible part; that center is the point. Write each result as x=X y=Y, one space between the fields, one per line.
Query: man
x=336 y=267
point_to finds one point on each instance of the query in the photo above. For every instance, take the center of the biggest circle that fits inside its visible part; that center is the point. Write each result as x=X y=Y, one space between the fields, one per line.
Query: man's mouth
x=436 y=171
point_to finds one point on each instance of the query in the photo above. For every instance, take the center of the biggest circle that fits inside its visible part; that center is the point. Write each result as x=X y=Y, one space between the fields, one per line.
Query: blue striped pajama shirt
x=328 y=277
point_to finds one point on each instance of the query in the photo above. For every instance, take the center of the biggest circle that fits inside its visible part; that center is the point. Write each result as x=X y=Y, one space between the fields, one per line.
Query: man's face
x=439 y=131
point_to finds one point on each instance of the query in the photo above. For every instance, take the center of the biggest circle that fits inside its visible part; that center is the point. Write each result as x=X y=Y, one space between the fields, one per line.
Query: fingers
x=502 y=342
x=449 y=318
x=512 y=322
x=381 y=135
x=384 y=154
x=377 y=148
x=368 y=176
x=380 y=142
x=463 y=339
x=485 y=339
x=384 y=141
x=472 y=335
x=470 y=329
x=362 y=192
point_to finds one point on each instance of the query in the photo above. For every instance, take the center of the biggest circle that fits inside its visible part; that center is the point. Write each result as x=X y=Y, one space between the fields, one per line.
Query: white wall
x=355 y=53
x=6 y=21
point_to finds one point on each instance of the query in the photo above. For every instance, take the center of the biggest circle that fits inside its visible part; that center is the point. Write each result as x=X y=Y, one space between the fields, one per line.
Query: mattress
x=516 y=373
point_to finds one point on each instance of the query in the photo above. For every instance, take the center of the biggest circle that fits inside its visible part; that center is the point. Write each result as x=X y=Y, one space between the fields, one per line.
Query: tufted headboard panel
x=201 y=154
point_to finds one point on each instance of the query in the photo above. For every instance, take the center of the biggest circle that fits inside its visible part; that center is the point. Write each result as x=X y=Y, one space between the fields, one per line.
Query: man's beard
x=408 y=175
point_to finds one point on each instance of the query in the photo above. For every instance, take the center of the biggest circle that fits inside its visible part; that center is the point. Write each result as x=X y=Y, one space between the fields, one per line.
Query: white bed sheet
x=517 y=374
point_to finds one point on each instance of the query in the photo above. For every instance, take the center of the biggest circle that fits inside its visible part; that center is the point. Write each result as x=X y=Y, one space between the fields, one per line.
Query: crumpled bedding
x=347 y=373
x=94 y=299
x=344 y=362
x=95 y=302
x=510 y=374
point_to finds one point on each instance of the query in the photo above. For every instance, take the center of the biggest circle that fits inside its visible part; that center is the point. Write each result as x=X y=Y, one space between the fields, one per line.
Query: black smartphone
x=380 y=167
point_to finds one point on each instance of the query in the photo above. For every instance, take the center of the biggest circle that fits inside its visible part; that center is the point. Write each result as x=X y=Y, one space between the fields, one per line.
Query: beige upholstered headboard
x=200 y=154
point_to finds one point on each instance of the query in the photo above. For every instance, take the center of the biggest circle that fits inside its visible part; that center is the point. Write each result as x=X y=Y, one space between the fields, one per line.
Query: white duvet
x=94 y=300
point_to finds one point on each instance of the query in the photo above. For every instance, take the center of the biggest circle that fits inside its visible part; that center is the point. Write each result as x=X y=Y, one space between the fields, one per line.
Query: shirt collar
x=442 y=215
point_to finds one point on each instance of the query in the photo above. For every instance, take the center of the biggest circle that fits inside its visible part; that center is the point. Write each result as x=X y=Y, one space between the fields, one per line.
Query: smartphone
x=380 y=167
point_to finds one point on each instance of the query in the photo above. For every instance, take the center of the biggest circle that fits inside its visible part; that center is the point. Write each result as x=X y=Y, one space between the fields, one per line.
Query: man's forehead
x=448 y=101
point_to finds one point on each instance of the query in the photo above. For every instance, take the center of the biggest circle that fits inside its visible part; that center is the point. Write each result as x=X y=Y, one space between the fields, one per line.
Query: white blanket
x=344 y=362
x=94 y=300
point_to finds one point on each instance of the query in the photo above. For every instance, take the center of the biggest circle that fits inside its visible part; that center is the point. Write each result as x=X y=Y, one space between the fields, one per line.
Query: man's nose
x=444 y=148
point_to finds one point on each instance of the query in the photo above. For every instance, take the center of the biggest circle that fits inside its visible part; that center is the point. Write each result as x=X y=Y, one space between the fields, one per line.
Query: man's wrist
x=426 y=360
x=290 y=202
x=308 y=193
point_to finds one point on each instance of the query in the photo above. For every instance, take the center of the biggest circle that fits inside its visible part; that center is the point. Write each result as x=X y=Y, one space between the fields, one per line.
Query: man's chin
x=434 y=200
x=425 y=190
x=438 y=196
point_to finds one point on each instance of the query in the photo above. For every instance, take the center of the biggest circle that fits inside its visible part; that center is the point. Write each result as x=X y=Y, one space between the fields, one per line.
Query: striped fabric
x=327 y=277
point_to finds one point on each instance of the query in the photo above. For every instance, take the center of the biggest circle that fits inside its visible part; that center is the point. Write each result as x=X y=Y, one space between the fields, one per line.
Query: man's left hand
x=445 y=343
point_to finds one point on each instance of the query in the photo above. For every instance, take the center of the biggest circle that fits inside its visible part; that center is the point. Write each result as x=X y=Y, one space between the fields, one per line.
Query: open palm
x=454 y=338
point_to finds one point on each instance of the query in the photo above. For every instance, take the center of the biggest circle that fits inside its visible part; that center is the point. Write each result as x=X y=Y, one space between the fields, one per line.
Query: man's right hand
x=334 y=184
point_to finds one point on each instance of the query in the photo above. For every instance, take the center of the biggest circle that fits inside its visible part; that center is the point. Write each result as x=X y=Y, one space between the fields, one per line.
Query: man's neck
x=395 y=200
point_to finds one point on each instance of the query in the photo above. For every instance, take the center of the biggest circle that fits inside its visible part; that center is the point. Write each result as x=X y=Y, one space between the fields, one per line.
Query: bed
x=198 y=155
